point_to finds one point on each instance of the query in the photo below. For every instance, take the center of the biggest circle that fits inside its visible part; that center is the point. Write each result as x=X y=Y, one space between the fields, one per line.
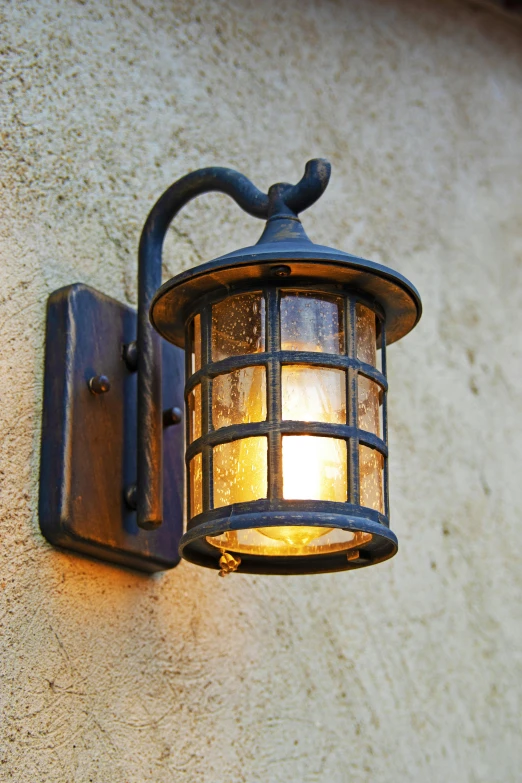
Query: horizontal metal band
x=252 y=429
x=296 y=285
x=260 y=509
x=330 y=360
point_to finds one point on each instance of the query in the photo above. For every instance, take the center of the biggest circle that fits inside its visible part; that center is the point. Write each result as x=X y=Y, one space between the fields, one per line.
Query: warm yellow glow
x=314 y=468
x=313 y=394
x=240 y=471
x=271 y=541
x=294 y=535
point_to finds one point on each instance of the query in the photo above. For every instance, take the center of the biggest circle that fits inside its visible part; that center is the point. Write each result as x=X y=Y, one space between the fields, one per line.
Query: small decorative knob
x=99 y=384
x=131 y=497
x=282 y=270
x=172 y=416
x=130 y=356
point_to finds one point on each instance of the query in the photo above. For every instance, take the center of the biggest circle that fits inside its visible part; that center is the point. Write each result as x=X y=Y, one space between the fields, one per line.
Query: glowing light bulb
x=294 y=535
x=314 y=468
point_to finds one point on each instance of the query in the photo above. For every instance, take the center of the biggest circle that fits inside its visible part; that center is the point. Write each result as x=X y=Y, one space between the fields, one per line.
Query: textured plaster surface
x=412 y=670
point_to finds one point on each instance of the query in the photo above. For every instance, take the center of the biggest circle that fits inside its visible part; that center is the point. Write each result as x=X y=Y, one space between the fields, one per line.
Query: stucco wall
x=409 y=671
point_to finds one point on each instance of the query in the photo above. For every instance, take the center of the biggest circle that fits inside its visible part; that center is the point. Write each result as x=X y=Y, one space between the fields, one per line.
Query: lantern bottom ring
x=239 y=532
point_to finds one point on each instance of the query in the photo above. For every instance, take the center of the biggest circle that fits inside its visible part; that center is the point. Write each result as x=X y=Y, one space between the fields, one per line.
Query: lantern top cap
x=285 y=200
x=283 y=240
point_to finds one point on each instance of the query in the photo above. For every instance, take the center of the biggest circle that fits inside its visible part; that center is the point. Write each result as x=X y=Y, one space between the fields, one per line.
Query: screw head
x=130 y=356
x=281 y=271
x=99 y=384
x=172 y=416
x=131 y=497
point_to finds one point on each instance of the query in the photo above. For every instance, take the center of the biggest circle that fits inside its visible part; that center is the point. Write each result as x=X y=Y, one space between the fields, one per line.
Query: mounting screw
x=99 y=384
x=281 y=271
x=131 y=498
x=130 y=356
x=172 y=416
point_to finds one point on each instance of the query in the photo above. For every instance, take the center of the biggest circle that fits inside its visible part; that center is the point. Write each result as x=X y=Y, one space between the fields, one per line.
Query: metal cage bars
x=274 y=427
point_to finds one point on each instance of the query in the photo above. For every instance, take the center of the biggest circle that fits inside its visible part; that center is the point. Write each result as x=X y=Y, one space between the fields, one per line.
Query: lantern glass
x=313 y=394
x=314 y=468
x=239 y=397
x=371 y=464
x=238 y=326
x=240 y=471
x=196 y=343
x=369 y=402
x=366 y=335
x=286 y=422
x=194 y=413
x=196 y=485
x=311 y=322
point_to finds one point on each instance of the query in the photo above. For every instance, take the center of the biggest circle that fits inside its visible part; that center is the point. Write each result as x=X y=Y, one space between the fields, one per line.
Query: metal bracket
x=89 y=435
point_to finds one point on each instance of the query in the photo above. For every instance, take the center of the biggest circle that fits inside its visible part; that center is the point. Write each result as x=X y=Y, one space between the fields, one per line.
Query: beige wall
x=409 y=671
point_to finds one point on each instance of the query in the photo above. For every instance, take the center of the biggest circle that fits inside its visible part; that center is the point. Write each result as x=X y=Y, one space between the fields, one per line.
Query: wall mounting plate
x=88 y=454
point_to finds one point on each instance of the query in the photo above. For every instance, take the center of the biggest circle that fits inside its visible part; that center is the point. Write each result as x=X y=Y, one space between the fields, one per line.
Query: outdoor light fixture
x=284 y=387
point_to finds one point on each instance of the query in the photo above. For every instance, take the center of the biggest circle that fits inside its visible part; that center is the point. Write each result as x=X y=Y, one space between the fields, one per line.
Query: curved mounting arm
x=295 y=198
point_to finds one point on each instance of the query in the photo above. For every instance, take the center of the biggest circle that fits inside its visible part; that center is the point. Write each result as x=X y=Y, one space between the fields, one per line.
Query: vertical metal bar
x=206 y=407
x=273 y=345
x=189 y=347
x=385 y=422
x=348 y=396
x=351 y=402
x=150 y=409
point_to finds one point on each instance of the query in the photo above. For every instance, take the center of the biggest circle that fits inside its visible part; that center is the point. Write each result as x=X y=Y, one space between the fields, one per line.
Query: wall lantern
x=277 y=352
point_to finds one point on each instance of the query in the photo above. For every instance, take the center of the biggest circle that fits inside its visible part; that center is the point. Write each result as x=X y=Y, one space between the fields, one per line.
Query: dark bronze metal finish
x=131 y=498
x=130 y=356
x=283 y=201
x=104 y=455
x=275 y=510
x=281 y=271
x=283 y=252
x=172 y=416
x=99 y=384
x=89 y=441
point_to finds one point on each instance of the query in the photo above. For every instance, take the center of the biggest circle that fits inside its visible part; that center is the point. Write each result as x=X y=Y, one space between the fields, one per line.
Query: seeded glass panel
x=313 y=394
x=240 y=471
x=310 y=322
x=371 y=463
x=366 y=335
x=238 y=326
x=314 y=468
x=194 y=407
x=378 y=341
x=239 y=397
x=369 y=396
x=196 y=343
x=196 y=485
